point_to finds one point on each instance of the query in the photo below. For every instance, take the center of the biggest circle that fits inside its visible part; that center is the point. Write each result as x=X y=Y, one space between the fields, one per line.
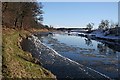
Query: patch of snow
x=101 y=34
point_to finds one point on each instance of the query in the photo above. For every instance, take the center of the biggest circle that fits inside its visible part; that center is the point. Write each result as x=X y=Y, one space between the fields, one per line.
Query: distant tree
x=90 y=26
x=104 y=25
x=101 y=25
x=112 y=25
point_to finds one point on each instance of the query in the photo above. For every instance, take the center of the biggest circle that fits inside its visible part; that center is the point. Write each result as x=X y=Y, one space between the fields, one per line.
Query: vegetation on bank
x=107 y=27
x=22 y=15
x=17 y=63
x=19 y=19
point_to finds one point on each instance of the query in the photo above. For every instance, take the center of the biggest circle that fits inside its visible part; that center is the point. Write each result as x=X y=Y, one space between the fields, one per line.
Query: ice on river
x=59 y=65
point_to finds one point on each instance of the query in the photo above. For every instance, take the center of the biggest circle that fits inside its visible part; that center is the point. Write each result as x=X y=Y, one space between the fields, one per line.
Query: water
x=96 y=55
x=61 y=66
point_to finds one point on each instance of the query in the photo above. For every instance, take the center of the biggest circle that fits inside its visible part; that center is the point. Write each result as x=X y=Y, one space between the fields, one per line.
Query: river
x=74 y=57
x=90 y=53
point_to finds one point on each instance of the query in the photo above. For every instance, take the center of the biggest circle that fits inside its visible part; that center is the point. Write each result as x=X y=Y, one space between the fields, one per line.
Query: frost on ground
x=101 y=34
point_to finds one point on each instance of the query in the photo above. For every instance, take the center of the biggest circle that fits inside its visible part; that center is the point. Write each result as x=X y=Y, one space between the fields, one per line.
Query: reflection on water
x=91 y=53
x=104 y=50
x=88 y=42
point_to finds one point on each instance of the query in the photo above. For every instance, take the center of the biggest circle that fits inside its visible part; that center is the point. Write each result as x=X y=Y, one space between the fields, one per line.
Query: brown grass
x=16 y=62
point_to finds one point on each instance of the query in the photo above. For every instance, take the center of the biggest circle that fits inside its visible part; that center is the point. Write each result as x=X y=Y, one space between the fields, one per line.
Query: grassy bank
x=17 y=63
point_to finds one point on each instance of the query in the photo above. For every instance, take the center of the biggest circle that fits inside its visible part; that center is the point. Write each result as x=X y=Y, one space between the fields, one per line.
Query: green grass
x=17 y=63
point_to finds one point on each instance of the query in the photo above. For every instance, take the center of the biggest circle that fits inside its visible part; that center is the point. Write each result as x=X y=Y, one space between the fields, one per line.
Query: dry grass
x=37 y=30
x=16 y=62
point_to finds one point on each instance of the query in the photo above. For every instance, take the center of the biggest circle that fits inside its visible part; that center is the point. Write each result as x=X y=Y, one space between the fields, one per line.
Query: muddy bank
x=61 y=66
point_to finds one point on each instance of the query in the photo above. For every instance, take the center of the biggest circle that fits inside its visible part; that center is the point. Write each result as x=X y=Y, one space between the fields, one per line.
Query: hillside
x=17 y=63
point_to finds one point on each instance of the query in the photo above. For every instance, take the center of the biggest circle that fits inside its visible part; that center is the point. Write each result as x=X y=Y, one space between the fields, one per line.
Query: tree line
x=106 y=26
x=22 y=15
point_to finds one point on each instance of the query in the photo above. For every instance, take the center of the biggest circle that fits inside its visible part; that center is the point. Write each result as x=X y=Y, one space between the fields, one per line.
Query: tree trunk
x=16 y=22
x=4 y=7
x=21 y=22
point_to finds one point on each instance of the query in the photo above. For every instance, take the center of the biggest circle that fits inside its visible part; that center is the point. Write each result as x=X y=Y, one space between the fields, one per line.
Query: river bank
x=99 y=35
x=51 y=60
x=17 y=63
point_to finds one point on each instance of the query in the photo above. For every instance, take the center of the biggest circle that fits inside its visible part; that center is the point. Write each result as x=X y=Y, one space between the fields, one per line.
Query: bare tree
x=90 y=26
x=104 y=25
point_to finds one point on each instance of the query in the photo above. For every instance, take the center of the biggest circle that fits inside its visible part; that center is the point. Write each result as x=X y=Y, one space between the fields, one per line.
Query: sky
x=78 y=14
